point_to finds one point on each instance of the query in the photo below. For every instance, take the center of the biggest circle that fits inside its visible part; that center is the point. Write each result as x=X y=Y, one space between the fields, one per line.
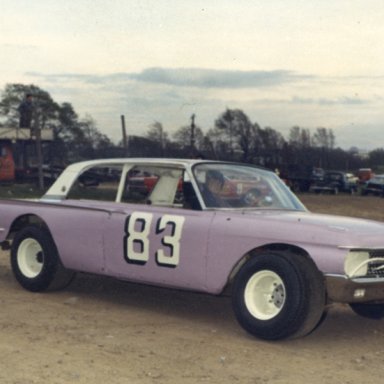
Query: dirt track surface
x=99 y=330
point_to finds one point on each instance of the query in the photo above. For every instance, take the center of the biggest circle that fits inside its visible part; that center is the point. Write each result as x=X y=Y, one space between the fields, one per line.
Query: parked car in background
x=7 y=165
x=141 y=182
x=300 y=177
x=374 y=186
x=335 y=182
x=364 y=174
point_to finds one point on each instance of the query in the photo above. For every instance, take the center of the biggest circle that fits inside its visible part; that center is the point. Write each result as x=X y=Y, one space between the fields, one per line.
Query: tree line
x=233 y=137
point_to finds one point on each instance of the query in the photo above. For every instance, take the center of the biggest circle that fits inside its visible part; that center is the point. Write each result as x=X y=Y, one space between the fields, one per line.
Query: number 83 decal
x=136 y=240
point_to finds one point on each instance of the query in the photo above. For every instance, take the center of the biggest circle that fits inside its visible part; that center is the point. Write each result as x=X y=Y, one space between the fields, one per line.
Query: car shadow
x=170 y=302
x=340 y=323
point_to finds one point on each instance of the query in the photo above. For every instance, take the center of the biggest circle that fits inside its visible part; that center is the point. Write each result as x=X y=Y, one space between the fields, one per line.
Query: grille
x=376 y=269
x=376 y=265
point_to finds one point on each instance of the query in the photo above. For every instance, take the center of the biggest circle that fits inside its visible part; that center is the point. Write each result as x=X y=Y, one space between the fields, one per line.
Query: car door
x=158 y=245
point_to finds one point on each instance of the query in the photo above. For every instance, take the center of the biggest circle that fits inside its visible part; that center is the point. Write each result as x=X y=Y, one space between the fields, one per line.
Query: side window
x=146 y=184
x=139 y=183
x=98 y=183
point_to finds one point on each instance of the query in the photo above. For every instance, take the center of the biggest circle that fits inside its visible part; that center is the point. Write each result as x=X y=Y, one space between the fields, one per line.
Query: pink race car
x=284 y=265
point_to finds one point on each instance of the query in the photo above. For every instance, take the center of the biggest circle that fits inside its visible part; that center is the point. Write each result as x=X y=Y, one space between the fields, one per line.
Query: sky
x=284 y=63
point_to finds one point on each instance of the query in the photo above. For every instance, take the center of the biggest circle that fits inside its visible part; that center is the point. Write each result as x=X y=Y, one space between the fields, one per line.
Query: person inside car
x=214 y=182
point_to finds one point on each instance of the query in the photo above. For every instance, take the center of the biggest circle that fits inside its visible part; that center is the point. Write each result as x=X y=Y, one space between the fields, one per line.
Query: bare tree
x=183 y=137
x=238 y=132
x=157 y=134
x=299 y=137
x=324 y=138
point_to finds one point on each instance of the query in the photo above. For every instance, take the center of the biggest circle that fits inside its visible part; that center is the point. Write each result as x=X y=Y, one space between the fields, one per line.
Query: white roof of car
x=61 y=186
x=127 y=160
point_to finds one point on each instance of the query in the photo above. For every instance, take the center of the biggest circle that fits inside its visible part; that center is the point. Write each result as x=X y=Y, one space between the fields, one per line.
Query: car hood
x=317 y=228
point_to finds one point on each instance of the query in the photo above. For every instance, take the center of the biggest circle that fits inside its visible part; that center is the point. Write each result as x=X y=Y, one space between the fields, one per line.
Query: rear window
x=98 y=183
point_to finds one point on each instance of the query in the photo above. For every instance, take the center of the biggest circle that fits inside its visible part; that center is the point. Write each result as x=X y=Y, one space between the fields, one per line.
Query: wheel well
x=268 y=247
x=23 y=221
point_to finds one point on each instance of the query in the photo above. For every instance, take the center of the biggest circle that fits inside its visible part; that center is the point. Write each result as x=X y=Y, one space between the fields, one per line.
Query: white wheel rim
x=264 y=295
x=30 y=258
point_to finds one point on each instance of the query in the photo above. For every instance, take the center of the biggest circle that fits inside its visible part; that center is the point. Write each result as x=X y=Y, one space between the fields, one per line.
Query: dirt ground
x=100 y=330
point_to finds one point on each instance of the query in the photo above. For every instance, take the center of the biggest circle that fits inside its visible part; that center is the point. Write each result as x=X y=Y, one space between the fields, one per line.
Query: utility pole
x=193 y=132
x=125 y=143
x=161 y=139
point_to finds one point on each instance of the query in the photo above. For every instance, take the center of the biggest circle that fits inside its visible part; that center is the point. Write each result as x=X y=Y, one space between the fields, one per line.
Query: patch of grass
x=20 y=191
x=366 y=207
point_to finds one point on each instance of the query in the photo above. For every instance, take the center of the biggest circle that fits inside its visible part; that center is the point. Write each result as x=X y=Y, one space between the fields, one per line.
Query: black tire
x=278 y=295
x=371 y=311
x=35 y=261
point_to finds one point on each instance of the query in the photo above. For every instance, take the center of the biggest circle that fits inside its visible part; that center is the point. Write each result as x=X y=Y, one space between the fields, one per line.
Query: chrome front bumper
x=342 y=289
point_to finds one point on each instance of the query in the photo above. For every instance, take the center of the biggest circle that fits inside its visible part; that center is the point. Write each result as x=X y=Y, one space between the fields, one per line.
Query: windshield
x=242 y=186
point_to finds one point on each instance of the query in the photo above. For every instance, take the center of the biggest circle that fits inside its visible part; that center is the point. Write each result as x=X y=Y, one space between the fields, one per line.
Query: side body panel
x=160 y=246
x=78 y=233
x=233 y=236
x=184 y=248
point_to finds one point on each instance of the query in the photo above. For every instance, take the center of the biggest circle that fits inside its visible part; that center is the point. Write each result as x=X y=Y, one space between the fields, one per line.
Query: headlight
x=356 y=263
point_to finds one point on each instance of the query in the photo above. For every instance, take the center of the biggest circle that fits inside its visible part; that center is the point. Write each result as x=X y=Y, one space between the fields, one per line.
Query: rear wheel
x=35 y=261
x=277 y=295
x=371 y=311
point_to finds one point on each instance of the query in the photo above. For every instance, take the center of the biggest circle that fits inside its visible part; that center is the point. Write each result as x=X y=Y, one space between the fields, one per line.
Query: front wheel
x=35 y=261
x=371 y=311
x=278 y=295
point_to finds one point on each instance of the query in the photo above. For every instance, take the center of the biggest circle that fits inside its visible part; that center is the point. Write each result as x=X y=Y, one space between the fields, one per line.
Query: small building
x=18 y=151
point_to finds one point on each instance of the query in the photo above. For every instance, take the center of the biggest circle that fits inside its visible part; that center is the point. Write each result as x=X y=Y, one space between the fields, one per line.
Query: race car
x=282 y=265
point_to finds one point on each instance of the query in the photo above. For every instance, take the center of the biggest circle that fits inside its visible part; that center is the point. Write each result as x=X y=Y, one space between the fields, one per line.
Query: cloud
x=57 y=77
x=189 y=77
x=327 y=101
x=210 y=78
